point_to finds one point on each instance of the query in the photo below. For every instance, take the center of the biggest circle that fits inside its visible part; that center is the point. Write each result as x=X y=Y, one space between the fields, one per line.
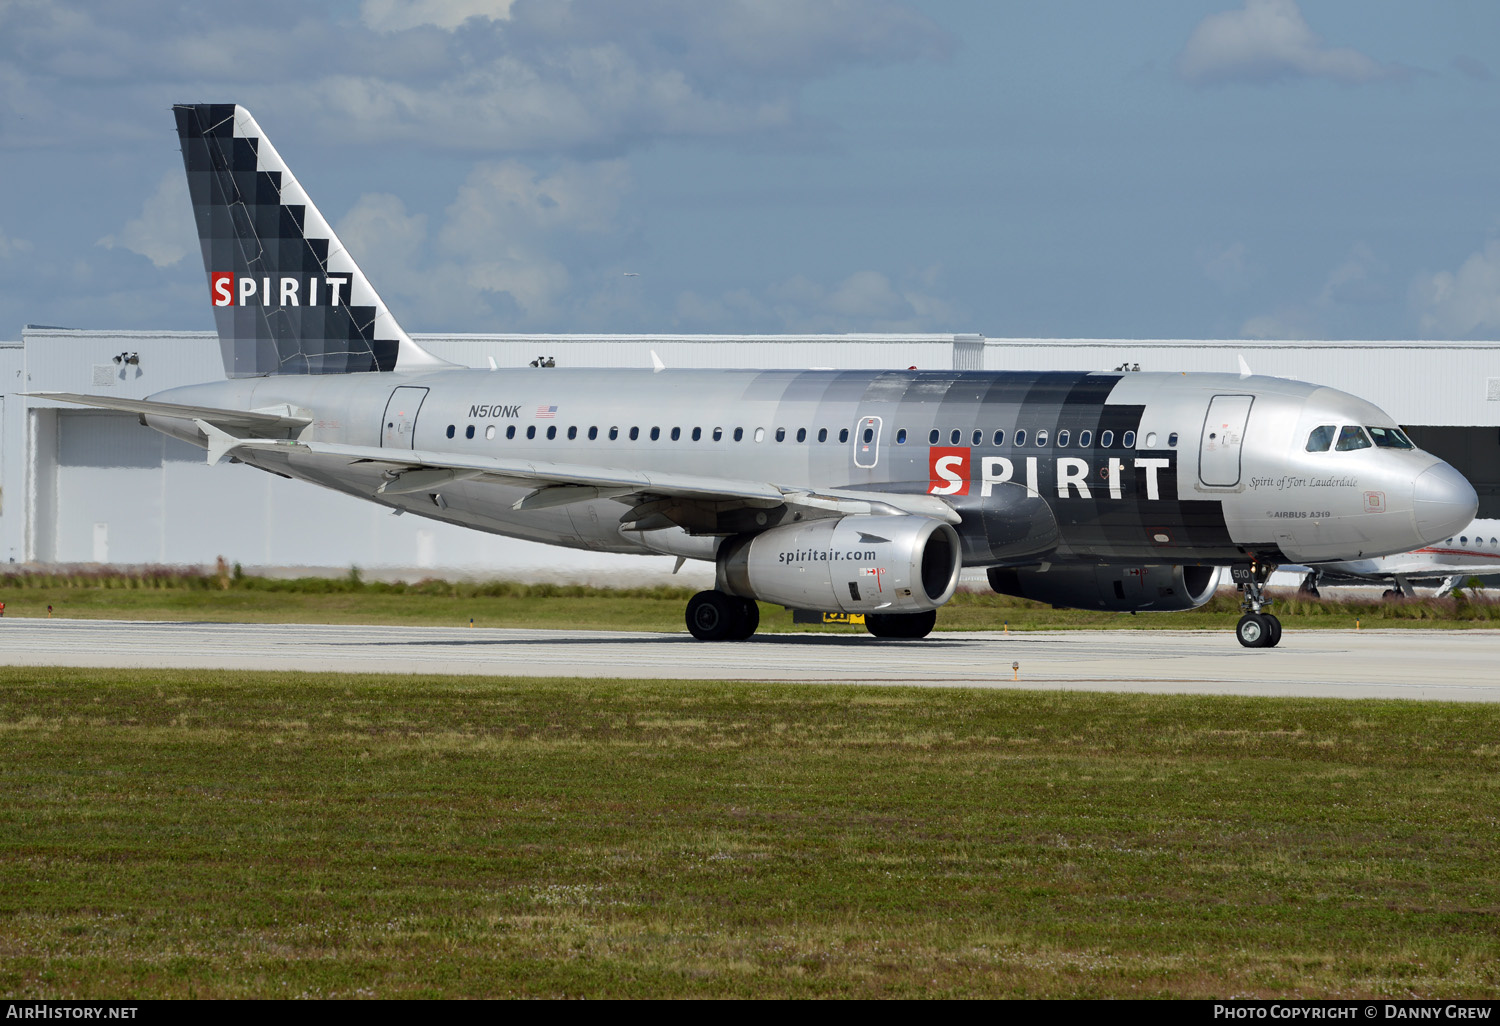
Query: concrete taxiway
x=1396 y=663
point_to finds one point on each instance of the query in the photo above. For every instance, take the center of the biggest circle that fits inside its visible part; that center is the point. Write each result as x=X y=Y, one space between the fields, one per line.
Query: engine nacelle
x=856 y=564
x=1116 y=588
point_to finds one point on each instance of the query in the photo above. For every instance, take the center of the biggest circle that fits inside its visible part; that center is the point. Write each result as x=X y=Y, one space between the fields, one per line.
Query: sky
x=1323 y=169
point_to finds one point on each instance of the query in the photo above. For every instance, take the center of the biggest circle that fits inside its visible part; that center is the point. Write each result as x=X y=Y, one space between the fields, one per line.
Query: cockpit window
x=1390 y=438
x=1352 y=437
x=1320 y=439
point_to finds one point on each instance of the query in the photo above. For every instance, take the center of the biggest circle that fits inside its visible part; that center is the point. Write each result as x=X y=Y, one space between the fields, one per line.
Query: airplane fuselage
x=1041 y=466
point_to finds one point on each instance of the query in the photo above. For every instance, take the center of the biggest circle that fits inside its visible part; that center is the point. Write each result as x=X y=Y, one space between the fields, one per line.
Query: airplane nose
x=1443 y=502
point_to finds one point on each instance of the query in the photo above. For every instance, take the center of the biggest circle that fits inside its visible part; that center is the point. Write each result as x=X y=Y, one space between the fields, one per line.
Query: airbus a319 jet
x=840 y=491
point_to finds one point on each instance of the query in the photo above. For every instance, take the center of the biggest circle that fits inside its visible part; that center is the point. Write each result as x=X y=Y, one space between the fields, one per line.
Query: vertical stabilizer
x=287 y=297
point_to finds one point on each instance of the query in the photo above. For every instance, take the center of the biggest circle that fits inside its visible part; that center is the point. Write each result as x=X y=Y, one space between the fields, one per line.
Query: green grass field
x=225 y=834
x=174 y=595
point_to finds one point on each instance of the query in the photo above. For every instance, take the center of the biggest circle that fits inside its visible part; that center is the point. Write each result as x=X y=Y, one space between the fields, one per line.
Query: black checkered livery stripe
x=246 y=230
x=1131 y=527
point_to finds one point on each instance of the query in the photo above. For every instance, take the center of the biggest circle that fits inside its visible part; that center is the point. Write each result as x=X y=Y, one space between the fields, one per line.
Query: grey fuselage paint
x=1050 y=498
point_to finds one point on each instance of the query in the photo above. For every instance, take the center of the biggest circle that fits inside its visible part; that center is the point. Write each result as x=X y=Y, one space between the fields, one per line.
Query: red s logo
x=948 y=470
x=223 y=288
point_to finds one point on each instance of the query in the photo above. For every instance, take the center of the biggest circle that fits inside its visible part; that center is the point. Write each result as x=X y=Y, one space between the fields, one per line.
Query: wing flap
x=557 y=484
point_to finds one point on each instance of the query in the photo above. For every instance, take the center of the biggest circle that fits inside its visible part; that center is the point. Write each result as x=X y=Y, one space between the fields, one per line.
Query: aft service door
x=400 y=424
x=1223 y=437
x=867 y=442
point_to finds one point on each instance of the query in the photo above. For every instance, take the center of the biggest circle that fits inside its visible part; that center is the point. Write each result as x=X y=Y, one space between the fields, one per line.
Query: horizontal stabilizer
x=226 y=419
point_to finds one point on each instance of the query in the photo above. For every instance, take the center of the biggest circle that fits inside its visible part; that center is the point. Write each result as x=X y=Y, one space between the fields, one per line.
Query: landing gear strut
x=718 y=616
x=1256 y=629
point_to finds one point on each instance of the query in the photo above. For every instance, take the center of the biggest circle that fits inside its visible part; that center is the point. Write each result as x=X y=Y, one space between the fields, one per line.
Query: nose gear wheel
x=1257 y=628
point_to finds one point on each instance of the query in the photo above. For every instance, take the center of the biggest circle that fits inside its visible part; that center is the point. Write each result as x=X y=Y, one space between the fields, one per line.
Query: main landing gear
x=1256 y=629
x=717 y=616
x=1309 y=585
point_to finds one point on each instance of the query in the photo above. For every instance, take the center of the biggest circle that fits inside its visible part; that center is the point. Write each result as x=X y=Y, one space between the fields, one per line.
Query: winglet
x=1245 y=371
x=656 y=365
x=219 y=442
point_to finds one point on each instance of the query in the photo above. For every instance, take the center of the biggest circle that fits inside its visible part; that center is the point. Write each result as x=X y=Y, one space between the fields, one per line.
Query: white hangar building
x=82 y=486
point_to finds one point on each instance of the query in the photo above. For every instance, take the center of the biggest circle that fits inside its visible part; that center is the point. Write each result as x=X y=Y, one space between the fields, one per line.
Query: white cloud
x=1268 y=40
x=399 y=15
x=165 y=232
x=863 y=301
x=1229 y=267
x=510 y=249
x=1358 y=282
x=586 y=76
x=1462 y=303
x=10 y=247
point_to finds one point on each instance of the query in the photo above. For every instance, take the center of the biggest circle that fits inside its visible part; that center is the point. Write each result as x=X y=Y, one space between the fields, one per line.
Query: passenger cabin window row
x=1351 y=437
x=655 y=433
x=1064 y=438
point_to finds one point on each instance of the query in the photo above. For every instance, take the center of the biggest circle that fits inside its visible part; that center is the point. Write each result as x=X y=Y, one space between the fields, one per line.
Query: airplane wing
x=279 y=419
x=658 y=499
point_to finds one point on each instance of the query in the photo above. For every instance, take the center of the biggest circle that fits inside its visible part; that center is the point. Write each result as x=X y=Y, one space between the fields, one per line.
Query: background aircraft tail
x=287 y=297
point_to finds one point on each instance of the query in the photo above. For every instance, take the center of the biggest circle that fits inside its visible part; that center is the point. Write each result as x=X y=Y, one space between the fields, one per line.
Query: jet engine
x=1116 y=588
x=855 y=564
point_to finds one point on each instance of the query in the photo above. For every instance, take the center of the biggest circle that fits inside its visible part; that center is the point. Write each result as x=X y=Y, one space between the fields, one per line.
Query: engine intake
x=890 y=564
x=1116 y=588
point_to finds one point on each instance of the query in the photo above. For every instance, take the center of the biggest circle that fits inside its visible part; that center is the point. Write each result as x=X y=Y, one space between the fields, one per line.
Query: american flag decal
x=546 y=412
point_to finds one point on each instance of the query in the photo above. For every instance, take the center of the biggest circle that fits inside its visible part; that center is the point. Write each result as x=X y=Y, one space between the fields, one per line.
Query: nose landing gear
x=1257 y=628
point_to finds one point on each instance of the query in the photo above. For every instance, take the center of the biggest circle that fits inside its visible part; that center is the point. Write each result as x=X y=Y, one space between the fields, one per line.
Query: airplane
x=1473 y=552
x=821 y=490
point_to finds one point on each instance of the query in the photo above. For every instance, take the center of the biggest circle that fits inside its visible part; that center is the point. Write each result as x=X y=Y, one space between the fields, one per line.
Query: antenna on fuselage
x=1244 y=367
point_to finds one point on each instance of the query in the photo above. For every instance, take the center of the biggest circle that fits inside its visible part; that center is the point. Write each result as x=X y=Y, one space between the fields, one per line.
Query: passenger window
x=1041 y=438
x=1129 y=440
x=1107 y=440
x=953 y=436
x=1085 y=439
x=978 y=437
x=551 y=432
x=739 y=434
x=697 y=434
x=1062 y=439
x=1151 y=439
x=933 y=436
x=655 y=433
x=1390 y=438
x=531 y=431
x=901 y=436
x=822 y=434
x=1019 y=438
x=635 y=433
x=719 y=434
x=802 y=434
x=510 y=431
x=999 y=437
x=489 y=432
x=1352 y=437
x=614 y=433
x=450 y=430
x=869 y=435
x=781 y=434
x=1172 y=440
x=760 y=434
x=572 y=433
x=593 y=433
x=676 y=434
x=843 y=435
x=469 y=431
x=1320 y=439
